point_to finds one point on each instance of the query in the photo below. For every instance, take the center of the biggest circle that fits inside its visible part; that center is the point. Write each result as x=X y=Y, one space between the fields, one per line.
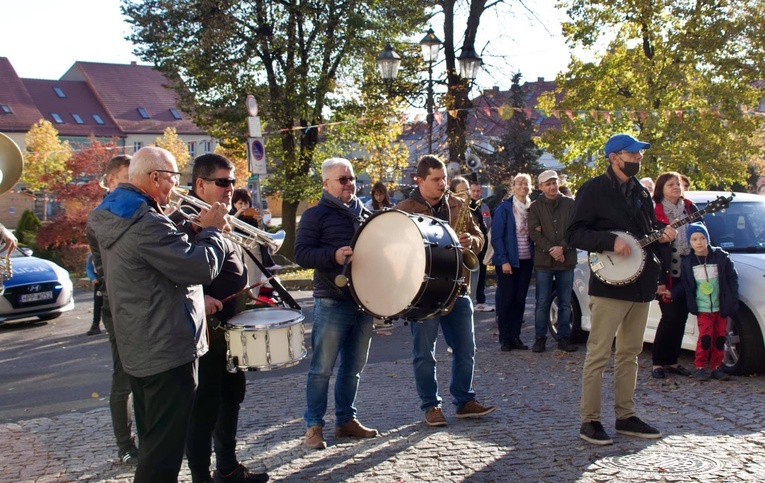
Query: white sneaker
x=484 y=308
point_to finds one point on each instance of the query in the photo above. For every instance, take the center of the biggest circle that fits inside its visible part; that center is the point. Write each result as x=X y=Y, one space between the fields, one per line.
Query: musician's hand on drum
x=668 y=235
x=507 y=268
x=466 y=240
x=621 y=247
x=343 y=252
x=214 y=216
x=212 y=305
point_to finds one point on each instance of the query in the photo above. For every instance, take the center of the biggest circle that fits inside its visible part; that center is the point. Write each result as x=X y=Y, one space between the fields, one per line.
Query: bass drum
x=405 y=265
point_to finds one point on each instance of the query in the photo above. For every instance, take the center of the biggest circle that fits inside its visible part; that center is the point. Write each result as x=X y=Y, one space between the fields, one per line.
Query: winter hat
x=697 y=228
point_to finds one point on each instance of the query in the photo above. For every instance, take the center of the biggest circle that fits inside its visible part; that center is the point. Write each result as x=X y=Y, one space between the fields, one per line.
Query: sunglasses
x=222 y=182
x=344 y=180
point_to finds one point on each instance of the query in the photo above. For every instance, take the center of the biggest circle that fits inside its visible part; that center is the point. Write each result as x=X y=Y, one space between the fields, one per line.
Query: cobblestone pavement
x=713 y=431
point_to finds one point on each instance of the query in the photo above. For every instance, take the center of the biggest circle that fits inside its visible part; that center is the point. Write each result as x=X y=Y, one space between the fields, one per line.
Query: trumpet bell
x=11 y=163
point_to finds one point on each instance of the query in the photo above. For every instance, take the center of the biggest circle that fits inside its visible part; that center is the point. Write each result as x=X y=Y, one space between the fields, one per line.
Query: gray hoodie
x=153 y=276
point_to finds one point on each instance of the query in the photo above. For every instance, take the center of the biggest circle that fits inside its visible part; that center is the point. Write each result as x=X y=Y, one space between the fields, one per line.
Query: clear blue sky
x=45 y=37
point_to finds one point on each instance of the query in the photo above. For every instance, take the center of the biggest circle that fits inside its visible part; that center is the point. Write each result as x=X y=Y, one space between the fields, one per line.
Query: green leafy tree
x=26 y=228
x=301 y=60
x=674 y=74
x=516 y=151
x=45 y=160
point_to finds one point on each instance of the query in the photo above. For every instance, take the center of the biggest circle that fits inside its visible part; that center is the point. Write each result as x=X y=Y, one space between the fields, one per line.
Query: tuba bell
x=11 y=167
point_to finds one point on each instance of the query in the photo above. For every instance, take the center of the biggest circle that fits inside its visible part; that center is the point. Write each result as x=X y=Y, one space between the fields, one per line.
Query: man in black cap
x=616 y=201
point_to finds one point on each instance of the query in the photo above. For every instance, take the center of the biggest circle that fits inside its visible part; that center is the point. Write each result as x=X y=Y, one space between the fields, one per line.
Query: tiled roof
x=14 y=94
x=122 y=89
x=79 y=101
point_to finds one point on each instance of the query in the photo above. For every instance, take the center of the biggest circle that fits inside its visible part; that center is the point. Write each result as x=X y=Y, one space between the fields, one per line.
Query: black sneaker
x=593 y=432
x=633 y=426
x=517 y=343
x=539 y=344
x=565 y=345
x=240 y=475
x=506 y=347
x=679 y=370
x=128 y=456
x=719 y=374
x=658 y=373
x=94 y=330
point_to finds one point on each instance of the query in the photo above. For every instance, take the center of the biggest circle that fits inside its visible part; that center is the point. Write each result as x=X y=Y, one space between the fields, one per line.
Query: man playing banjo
x=616 y=201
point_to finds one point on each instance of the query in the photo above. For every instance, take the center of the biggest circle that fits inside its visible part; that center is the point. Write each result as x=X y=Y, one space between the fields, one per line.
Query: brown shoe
x=435 y=417
x=354 y=429
x=314 y=438
x=473 y=409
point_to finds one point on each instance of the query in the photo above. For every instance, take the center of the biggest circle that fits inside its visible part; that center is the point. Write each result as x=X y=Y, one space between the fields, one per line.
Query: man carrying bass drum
x=616 y=200
x=429 y=198
x=340 y=328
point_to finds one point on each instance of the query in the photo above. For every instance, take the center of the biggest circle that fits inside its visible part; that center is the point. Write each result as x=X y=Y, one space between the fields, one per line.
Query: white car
x=739 y=230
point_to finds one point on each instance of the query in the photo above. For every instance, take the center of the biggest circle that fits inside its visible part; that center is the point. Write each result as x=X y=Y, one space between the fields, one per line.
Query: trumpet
x=242 y=233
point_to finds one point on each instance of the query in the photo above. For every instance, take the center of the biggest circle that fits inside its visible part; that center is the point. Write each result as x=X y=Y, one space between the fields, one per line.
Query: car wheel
x=49 y=316
x=578 y=336
x=744 y=350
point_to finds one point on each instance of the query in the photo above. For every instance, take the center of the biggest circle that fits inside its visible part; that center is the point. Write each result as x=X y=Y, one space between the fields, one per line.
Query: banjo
x=617 y=270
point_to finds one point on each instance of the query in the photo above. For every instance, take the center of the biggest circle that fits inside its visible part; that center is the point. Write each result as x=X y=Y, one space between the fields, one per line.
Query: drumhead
x=389 y=262
x=265 y=318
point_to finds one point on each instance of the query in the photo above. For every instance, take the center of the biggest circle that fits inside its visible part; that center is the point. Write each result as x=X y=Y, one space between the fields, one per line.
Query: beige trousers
x=626 y=321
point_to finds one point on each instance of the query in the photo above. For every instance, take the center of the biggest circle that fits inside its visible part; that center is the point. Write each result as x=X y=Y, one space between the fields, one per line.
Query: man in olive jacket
x=554 y=260
x=153 y=276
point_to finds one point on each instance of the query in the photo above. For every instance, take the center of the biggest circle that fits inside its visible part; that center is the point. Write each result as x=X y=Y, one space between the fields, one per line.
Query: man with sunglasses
x=339 y=327
x=154 y=277
x=616 y=201
x=220 y=393
x=430 y=198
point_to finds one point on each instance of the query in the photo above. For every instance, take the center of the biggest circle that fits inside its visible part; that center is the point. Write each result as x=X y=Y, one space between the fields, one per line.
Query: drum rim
x=228 y=325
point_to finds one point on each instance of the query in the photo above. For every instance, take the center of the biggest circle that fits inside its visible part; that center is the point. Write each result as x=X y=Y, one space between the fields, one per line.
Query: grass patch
x=296 y=274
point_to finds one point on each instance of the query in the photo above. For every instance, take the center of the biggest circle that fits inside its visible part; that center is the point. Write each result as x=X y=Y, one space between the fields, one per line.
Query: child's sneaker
x=719 y=374
x=701 y=374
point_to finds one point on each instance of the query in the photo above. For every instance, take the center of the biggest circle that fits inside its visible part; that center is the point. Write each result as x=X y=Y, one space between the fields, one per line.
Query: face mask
x=631 y=169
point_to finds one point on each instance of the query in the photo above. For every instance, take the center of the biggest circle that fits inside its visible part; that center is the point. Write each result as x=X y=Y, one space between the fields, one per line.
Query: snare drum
x=404 y=265
x=265 y=339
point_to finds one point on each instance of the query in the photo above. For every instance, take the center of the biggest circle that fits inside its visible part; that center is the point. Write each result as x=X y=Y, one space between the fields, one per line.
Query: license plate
x=36 y=297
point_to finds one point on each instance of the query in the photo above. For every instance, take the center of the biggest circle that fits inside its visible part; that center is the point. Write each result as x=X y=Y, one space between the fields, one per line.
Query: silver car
x=739 y=230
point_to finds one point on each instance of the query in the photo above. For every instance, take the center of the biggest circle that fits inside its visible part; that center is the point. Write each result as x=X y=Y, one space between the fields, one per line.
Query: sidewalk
x=713 y=431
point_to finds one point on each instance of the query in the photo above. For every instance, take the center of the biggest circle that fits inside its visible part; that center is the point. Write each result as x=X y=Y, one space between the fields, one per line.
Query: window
x=78 y=119
x=56 y=118
x=208 y=146
x=192 y=149
x=137 y=145
x=59 y=92
x=143 y=113
x=5 y=109
x=176 y=114
x=98 y=119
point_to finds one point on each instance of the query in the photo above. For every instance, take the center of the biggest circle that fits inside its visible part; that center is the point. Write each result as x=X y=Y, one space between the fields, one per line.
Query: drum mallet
x=341 y=280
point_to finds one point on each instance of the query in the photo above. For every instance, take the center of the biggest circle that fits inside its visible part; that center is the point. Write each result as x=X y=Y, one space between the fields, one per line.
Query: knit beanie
x=697 y=228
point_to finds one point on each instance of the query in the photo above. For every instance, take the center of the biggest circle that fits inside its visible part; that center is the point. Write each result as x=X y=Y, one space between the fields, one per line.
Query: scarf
x=675 y=211
x=353 y=209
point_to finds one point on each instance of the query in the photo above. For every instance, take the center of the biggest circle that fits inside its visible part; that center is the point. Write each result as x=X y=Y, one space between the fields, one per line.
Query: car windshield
x=17 y=253
x=740 y=228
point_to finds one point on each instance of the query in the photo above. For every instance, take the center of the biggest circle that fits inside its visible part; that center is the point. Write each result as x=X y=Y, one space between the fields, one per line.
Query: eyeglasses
x=344 y=180
x=175 y=174
x=222 y=182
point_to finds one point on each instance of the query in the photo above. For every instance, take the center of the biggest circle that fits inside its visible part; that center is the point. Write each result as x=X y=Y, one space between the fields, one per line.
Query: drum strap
x=275 y=283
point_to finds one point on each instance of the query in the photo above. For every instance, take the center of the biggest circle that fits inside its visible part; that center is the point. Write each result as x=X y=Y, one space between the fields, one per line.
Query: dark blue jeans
x=339 y=329
x=511 y=299
x=457 y=327
x=564 y=283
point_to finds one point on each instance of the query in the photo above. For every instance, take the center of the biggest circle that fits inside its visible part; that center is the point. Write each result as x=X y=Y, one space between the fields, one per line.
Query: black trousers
x=98 y=303
x=162 y=408
x=215 y=415
x=669 y=333
x=119 y=398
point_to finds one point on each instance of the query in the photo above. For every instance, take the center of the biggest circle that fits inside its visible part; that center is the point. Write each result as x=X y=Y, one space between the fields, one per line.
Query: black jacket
x=601 y=207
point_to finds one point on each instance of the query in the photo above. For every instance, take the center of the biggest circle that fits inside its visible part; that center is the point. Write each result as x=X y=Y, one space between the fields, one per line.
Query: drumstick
x=254 y=285
x=341 y=280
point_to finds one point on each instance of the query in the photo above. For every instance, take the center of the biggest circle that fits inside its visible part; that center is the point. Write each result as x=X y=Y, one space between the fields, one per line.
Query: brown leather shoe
x=355 y=429
x=314 y=438
x=435 y=417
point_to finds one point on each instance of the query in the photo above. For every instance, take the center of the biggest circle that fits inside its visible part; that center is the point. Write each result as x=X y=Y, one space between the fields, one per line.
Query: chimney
x=132 y=62
x=540 y=79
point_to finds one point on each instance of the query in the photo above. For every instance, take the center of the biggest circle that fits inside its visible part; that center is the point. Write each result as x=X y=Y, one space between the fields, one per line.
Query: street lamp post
x=430 y=45
x=468 y=61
